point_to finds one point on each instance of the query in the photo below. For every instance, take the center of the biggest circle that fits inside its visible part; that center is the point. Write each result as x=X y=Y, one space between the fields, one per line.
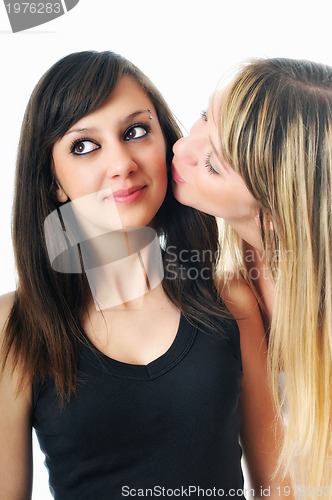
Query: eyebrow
x=94 y=129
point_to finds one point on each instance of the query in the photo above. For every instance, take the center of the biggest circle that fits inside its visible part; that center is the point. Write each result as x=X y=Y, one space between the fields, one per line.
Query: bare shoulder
x=6 y=304
x=238 y=297
x=15 y=420
x=11 y=375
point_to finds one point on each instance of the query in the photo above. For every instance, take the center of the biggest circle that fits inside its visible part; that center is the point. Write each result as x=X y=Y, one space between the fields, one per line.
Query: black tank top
x=162 y=430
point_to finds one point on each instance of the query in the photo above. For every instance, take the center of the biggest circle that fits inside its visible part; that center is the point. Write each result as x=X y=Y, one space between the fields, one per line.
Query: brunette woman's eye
x=84 y=146
x=136 y=131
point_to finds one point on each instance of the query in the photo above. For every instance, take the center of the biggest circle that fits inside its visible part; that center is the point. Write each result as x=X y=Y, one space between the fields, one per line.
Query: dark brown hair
x=44 y=328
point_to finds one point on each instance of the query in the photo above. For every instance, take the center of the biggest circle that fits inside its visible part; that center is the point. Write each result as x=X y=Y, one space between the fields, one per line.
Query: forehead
x=214 y=116
x=215 y=103
x=127 y=89
x=127 y=83
x=125 y=101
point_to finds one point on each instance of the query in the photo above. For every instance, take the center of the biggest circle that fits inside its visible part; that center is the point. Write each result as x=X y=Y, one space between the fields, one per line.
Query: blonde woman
x=261 y=159
x=117 y=351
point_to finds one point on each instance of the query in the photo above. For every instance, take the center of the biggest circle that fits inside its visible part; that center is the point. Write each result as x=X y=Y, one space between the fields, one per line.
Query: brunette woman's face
x=203 y=179
x=112 y=162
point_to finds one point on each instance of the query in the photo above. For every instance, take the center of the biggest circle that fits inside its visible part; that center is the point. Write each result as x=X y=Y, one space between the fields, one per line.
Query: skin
x=117 y=149
x=121 y=152
x=115 y=164
x=204 y=180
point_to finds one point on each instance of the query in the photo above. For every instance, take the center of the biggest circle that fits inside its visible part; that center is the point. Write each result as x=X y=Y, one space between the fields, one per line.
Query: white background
x=185 y=46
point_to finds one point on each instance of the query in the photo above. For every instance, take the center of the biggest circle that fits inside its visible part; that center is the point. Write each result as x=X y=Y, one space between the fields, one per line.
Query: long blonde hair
x=276 y=131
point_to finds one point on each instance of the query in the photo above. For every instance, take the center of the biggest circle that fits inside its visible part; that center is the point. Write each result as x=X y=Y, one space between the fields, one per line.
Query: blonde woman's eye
x=136 y=131
x=209 y=166
x=83 y=146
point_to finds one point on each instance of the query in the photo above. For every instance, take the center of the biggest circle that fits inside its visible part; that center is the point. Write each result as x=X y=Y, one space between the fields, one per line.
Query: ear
x=58 y=193
x=259 y=220
x=61 y=195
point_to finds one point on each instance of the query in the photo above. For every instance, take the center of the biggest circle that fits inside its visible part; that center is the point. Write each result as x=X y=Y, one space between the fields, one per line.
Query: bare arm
x=15 y=427
x=261 y=433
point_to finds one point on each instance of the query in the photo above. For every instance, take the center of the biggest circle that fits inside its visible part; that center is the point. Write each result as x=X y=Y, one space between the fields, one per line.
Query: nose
x=184 y=150
x=121 y=162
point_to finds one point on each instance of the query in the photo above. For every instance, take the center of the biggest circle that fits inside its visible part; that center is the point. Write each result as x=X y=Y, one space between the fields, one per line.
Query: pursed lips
x=176 y=177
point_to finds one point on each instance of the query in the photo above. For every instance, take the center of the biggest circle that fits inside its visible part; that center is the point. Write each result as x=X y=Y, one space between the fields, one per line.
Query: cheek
x=61 y=168
x=155 y=160
x=210 y=190
x=161 y=175
x=236 y=203
x=75 y=182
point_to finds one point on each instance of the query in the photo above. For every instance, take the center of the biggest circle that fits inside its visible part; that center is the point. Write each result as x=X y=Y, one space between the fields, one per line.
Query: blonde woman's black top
x=164 y=430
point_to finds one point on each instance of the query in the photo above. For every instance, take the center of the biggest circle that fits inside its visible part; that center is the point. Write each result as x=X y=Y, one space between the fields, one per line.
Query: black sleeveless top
x=164 y=429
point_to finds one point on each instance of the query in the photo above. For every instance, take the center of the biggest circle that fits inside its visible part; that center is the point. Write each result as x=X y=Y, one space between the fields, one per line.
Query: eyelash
x=208 y=165
x=144 y=126
x=78 y=141
x=74 y=144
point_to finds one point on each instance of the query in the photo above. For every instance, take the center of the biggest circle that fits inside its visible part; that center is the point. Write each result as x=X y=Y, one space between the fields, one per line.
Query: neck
x=249 y=231
x=255 y=263
x=122 y=266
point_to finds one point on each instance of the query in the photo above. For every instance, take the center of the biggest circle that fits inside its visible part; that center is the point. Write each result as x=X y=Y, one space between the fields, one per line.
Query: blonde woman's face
x=203 y=179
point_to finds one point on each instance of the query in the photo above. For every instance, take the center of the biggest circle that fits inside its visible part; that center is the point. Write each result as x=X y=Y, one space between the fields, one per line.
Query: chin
x=178 y=196
x=186 y=202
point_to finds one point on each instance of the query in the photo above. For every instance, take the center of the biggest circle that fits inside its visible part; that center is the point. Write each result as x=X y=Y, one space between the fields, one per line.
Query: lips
x=128 y=195
x=176 y=177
